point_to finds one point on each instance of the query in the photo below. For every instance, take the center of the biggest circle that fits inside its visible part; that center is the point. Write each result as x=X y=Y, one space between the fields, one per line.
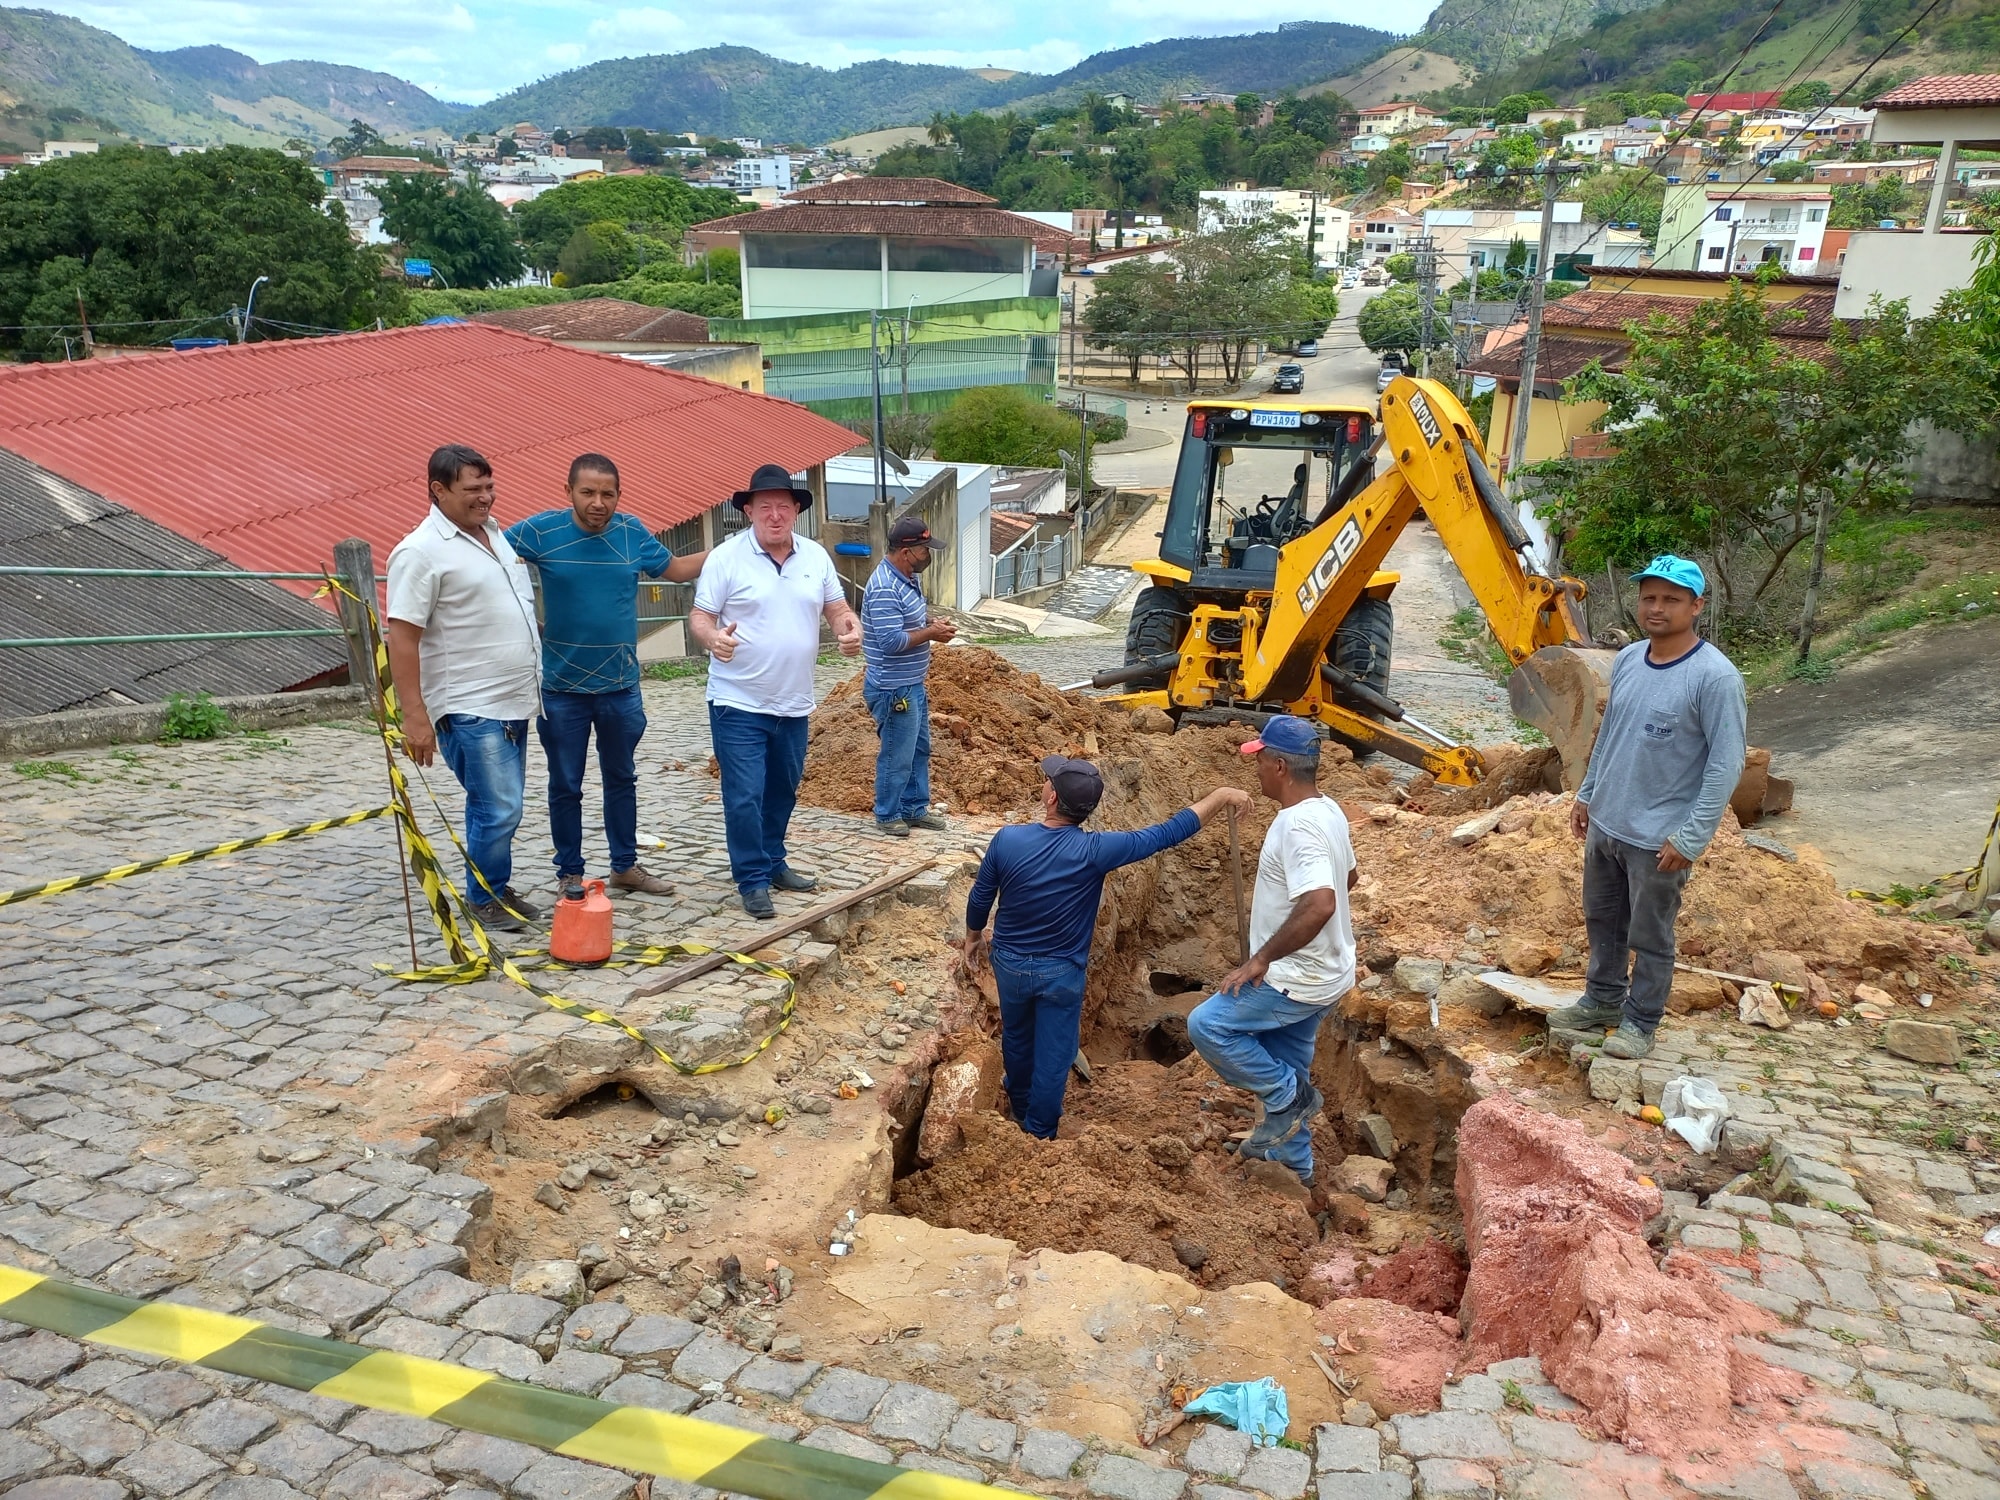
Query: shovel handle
x=1236 y=884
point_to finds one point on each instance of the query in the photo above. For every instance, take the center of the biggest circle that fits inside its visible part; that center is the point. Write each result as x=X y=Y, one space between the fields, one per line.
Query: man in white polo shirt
x=757 y=612
x=467 y=663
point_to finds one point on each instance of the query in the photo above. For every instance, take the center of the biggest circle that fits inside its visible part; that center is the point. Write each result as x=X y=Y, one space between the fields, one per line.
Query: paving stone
x=1281 y=1473
x=1821 y=1367
x=437 y=1296
x=69 y=1487
x=1949 y=1441
x=400 y=1267
x=1926 y=1401
x=653 y=1334
x=165 y=1467
x=19 y=1457
x=783 y=1378
x=1746 y=1482
x=1474 y=1393
x=709 y=1357
x=96 y=1437
x=1836 y=1250
x=161 y=1394
x=511 y=1315
x=1049 y=1455
x=300 y=1454
x=930 y=1463
x=1119 y=1478
x=729 y=1414
x=1538 y=1437
x=382 y=1479
x=1845 y=1481
x=1942 y=1481
x=338 y=1300
x=556 y=1478
x=392 y=1432
x=914 y=1414
x=982 y=1437
x=413 y=1336
x=492 y=1460
x=848 y=1396
x=1219 y=1450
x=1364 y=1487
x=1845 y=1413
x=1339 y=1449
x=42 y=1356
x=840 y=1440
x=578 y=1372
x=18 y=1402
x=635 y=1389
x=1453 y=1477
x=596 y=1324
x=502 y=1357
x=1547 y=1481
x=1451 y=1434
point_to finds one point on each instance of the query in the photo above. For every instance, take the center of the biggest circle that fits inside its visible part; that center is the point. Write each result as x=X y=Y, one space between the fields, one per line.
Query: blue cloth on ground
x=1253 y=1406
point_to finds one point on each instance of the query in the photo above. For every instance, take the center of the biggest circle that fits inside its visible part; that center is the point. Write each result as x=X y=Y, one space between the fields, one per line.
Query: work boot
x=569 y=887
x=495 y=917
x=1280 y=1126
x=928 y=819
x=896 y=828
x=788 y=879
x=520 y=905
x=1584 y=1016
x=640 y=880
x=1628 y=1041
x=757 y=901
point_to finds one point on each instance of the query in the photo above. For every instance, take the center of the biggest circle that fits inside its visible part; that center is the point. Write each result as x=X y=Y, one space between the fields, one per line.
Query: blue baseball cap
x=1285 y=734
x=1676 y=570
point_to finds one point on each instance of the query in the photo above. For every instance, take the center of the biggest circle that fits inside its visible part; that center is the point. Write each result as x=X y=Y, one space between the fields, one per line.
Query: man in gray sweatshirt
x=1667 y=757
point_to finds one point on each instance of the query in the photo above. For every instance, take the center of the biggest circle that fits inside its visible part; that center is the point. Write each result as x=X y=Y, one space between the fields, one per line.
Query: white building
x=1745 y=227
x=850 y=486
x=1328 y=227
x=749 y=172
x=1370 y=141
x=1386 y=234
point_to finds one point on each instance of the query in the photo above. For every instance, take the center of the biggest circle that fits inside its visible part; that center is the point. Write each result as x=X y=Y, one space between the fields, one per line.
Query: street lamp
x=249 y=308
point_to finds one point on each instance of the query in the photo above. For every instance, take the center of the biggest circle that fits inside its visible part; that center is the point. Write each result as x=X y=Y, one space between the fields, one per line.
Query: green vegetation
x=139 y=237
x=1393 y=321
x=650 y=211
x=1002 y=424
x=456 y=226
x=676 y=671
x=1460 y=29
x=46 y=770
x=193 y=718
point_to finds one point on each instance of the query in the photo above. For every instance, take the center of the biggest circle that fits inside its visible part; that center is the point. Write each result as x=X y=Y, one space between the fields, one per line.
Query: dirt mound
x=1401 y=1357
x=1425 y=1274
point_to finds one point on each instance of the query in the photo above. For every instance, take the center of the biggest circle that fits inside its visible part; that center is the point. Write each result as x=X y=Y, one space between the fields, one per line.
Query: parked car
x=1308 y=348
x=1391 y=368
x=1348 y=281
x=1289 y=381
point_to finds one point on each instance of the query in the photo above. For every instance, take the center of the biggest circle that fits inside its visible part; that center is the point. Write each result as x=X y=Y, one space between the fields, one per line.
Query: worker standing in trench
x=1048 y=878
x=1258 y=1029
x=1667 y=757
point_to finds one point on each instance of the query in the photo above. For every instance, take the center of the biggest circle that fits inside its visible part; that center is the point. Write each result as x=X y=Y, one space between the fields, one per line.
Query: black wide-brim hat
x=772 y=477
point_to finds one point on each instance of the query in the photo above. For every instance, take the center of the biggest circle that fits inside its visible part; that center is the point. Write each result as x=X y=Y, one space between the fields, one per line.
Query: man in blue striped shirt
x=896 y=636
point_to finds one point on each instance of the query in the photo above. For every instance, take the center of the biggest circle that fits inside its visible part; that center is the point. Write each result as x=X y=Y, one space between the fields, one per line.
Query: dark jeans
x=490 y=759
x=1041 y=1021
x=903 y=764
x=1629 y=906
x=1261 y=1040
x=761 y=758
x=565 y=726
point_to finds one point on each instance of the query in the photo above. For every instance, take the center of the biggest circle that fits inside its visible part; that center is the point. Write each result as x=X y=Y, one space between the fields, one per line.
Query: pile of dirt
x=1425 y=1274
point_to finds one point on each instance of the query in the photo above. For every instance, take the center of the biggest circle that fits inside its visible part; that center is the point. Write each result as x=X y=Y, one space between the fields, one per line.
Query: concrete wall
x=1895 y=263
x=790 y=294
x=139 y=722
x=1948 y=468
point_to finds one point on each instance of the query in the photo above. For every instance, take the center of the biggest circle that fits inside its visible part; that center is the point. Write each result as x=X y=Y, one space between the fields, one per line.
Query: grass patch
x=198 y=717
x=1971 y=597
x=1466 y=639
x=1514 y=1398
x=682 y=670
x=47 y=770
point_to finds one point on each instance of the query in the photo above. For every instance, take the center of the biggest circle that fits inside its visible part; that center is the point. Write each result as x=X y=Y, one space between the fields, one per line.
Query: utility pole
x=875 y=377
x=1532 y=343
x=904 y=356
x=1425 y=249
x=1082 y=470
x=1312 y=229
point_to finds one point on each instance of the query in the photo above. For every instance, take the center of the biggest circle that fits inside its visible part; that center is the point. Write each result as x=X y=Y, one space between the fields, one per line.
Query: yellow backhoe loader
x=1278 y=602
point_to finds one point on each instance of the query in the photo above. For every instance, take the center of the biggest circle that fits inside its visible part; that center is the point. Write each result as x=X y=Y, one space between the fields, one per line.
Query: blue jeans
x=1041 y=1019
x=565 y=725
x=490 y=759
x=1261 y=1040
x=761 y=758
x=903 y=764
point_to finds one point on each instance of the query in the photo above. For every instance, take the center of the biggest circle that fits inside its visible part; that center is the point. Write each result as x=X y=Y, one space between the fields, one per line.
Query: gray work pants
x=1629 y=907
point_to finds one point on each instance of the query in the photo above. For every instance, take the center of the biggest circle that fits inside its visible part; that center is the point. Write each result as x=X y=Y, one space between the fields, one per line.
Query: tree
x=1248 y=108
x=1863 y=206
x=361 y=139
x=1395 y=162
x=457 y=227
x=1002 y=424
x=1516 y=265
x=1128 y=311
x=1513 y=110
x=505 y=149
x=658 y=206
x=1401 y=267
x=1233 y=288
x=1813 y=94
x=1791 y=171
x=1393 y=321
x=596 y=253
x=642 y=150
x=1663 y=104
x=603 y=138
x=560 y=136
x=140 y=235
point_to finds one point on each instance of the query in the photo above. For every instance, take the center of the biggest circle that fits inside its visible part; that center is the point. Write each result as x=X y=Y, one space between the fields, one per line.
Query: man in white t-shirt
x=757 y=612
x=1257 y=1030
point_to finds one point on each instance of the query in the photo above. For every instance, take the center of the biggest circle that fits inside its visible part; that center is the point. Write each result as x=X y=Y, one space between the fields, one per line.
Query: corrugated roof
x=45 y=521
x=1942 y=91
x=601 y=320
x=895 y=219
x=887 y=190
x=1611 y=311
x=270 y=453
x=1006 y=527
x=1557 y=360
x=408 y=166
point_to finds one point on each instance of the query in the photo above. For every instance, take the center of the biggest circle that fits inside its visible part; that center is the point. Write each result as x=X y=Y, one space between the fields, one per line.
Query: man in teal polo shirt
x=590 y=560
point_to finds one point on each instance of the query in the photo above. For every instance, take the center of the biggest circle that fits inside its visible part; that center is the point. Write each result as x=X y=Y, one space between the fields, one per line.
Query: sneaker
x=569 y=887
x=1628 y=1041
x=788 y=879
x=927 y=819
x=1280 y=1126
x=1583 y=1016
x=520 y=905
x=495 y=917
x=757 y=901
x=641 y=880
x=896 y=828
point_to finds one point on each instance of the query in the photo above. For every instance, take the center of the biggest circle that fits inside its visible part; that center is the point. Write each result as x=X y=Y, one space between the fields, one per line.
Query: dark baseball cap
x=1079 y=787
x=1286 y=735
x=910 y=531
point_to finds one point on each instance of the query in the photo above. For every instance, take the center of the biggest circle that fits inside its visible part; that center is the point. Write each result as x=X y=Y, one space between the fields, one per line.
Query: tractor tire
x=1362 y=647
x=1159 y=623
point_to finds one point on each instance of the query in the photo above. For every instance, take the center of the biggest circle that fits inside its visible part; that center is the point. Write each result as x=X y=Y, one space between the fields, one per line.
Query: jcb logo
x=1421 y=410
x=1331 y=561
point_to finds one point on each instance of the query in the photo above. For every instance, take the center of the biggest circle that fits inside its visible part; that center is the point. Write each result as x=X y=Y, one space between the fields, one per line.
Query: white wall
x=1896 y=263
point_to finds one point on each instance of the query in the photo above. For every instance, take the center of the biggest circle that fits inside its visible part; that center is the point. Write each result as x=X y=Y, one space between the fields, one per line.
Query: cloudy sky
x=472 y=50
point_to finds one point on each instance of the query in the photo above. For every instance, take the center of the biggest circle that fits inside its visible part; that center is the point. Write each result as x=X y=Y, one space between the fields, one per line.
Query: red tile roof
x=270 y=453
x=1942 y=91
x=600 y=320
x=887 y=190
x=1734 y=103
x=409 y=166
x=894 y=219
x=1611 y=311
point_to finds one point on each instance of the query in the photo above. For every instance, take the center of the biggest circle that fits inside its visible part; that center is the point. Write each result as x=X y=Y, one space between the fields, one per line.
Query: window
x=987 y=257
x=1805 y=252
x=1814 y=215
x=812 y=252
x=1724 y=214
x=1715 y=252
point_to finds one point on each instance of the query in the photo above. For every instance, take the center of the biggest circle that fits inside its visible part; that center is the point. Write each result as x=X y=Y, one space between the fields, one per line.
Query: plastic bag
x=1695 y=1110
x=1256 y=1407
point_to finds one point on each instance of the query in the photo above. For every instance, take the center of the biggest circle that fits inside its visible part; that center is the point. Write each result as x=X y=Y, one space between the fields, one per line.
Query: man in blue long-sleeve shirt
x=1667 y=758
x=1048 y=878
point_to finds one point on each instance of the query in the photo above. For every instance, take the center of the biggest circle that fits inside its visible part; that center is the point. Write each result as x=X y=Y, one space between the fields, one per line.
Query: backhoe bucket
x=1561 y=690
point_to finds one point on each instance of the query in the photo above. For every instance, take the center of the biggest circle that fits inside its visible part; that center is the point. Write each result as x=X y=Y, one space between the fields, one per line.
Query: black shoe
x=896 y=828
x=569 y=887
x=1280 y=1126
x=495 y=917
x=520 y=905
x=757 y=901
x=928 y=819
x=788 y=879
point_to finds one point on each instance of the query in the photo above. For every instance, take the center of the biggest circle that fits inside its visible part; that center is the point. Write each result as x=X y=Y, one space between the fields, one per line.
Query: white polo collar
x=447 y=528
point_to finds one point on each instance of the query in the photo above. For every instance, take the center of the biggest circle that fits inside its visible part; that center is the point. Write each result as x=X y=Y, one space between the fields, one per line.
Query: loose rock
x=1922 y=1041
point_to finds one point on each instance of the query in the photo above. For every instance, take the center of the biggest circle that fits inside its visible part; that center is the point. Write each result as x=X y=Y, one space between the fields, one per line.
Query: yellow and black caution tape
x=1961 y=878
x=580 y=1427
x=477 y=958
x=193 y=856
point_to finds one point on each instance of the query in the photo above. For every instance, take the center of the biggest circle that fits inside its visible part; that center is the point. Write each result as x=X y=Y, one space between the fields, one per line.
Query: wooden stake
x=1236 y=882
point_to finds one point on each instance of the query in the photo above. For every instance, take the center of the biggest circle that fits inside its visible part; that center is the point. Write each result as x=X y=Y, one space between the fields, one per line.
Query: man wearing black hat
x=896 y=636
x=757 y=612
x=1048 y=878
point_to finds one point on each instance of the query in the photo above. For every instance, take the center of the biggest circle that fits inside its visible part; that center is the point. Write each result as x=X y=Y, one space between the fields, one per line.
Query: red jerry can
x=582 y=930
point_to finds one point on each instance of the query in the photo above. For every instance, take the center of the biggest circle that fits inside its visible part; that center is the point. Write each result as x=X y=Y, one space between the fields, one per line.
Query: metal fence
x=1031 y=565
